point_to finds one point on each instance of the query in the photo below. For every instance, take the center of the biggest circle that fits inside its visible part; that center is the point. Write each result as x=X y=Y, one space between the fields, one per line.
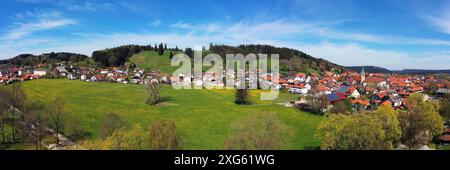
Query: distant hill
x=30 y=59
x=420 y=71
x=369 y=69
x=374 y=69
x=290 y=59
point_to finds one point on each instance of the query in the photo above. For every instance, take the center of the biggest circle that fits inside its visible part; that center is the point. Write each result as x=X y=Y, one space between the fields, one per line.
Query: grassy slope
x=152 y=60
x=203 y=117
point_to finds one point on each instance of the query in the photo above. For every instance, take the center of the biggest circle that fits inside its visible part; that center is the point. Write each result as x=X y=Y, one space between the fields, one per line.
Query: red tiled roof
x=322 y=88
x=387 y=102
x=382 y=94
x=445 y=138
x=363 y=102
x=300 y=75
x=373 y=80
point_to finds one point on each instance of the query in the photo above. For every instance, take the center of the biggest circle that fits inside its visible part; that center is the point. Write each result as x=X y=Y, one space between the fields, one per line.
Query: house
x=445 y=138
x=395 y=99
x=349 y=91
x=442 y=91
x=104 y=71
x=336 y=97
x=360 y=104
x=323 y=89
x=300 y=77
x=83 y=77
x=71 y=77
x=39 y=72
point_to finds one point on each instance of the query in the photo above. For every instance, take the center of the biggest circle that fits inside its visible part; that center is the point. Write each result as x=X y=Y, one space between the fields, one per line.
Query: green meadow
x=203 y=117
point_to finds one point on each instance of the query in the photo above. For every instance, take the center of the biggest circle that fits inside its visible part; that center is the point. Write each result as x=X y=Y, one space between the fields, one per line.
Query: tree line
x=118 y=56
x=31 y=60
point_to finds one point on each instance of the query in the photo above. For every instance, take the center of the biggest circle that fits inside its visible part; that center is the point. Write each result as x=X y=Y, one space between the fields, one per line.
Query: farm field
x=203 y=117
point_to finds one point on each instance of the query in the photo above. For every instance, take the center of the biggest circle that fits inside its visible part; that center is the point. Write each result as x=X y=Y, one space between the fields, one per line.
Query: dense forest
x=30 y=59
x=290 y=59
x=118 y=56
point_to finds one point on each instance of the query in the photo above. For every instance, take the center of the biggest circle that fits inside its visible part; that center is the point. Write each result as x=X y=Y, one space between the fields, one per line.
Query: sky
x=395 y=34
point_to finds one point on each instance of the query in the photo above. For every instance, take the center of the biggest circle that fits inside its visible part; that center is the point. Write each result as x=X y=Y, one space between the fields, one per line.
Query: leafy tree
x=344 y=106
x=153 y=93
x=163 y=136
x=125 y=138
x=420 y=123
x=353 y=132
x=111 y=123
x=391 y=125
x=445 y=107
x=241 y=96
x=262 y=131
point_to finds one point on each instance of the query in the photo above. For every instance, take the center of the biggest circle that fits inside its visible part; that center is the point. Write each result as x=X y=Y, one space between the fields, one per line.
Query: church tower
x=363 y=75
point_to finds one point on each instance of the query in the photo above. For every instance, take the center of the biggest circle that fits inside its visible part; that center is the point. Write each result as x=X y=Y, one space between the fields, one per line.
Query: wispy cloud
x=38 y=22
x=156 y=23
x=182 y=25
x=440 y=18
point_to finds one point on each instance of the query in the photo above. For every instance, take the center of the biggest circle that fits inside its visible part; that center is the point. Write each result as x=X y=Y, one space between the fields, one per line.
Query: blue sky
x=395 y=34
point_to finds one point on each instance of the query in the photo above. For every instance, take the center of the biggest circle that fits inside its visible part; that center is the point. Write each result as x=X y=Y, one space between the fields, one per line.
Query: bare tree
x=16 y=101
x=258 y=132
x=153 y=90
x=111 y=123
x=56 y=117
x=36 y=123
x=163 y=136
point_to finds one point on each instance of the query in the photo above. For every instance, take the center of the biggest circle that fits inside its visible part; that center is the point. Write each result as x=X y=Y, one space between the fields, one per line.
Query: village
x=365 y=91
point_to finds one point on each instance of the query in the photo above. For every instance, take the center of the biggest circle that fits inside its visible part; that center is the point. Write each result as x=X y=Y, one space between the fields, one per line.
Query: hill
x=420 y=71
x=369 y=69
x=374 y=69
x=203 y=117
x=30 y=59
x=290 y=59
x=151 y=60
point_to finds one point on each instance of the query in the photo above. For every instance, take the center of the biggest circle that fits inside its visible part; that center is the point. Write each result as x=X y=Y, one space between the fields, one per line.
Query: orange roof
x=382 y=94
x=416 y=88
x=300 y=75
x=322 y=88
x=445 y=138
x=387 y=102
x=363 y=102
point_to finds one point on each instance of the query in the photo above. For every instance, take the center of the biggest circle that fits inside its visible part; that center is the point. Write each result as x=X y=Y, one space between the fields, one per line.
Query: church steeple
x=363 y=75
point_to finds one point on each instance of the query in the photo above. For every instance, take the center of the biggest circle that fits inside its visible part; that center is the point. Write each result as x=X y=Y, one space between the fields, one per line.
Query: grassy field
x=203 y=117
x=151 y=60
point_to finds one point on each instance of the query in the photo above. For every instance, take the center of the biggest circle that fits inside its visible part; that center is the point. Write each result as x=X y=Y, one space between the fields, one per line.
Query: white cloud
x=182 y=25
x=357 y=55
x=440 y=19
x=277 y=33
x=156 y=23
x=37 y=21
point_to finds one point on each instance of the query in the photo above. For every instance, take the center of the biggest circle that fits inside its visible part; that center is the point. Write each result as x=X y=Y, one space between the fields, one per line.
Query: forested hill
x=30 y=59
x=118 y=56
x=290 y=59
